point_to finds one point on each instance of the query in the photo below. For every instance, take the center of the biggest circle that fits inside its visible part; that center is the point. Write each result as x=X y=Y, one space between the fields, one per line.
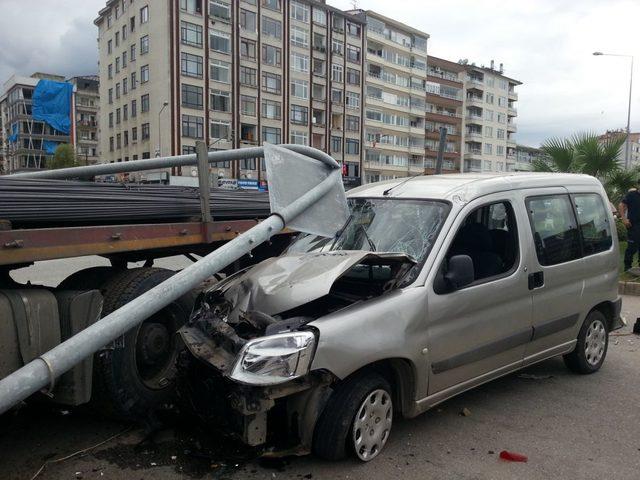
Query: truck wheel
x=591 y=348
x=136 y=376
x=88 y=279
x=358 y=418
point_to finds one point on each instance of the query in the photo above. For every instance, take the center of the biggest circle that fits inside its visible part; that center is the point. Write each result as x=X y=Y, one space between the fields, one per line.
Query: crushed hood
x=290 y=280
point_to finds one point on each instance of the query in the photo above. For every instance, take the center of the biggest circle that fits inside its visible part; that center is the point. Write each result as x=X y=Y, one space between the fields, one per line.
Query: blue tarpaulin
x=50 y=146
x=13 y=138
x=52 y=104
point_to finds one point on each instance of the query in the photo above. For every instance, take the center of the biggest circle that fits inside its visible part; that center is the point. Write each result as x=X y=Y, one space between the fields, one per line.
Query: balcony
x=512 y=112
x=444 y=75
x=474 y=100
x=473 y=134
x=473 y=118
x=513 y=95
x=511 y=143
x=511 y=127
x=475 y=80
x=470 y=154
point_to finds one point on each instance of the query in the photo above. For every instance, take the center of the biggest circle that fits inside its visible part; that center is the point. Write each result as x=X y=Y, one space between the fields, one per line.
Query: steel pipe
x=174 y=161
x=43 y=371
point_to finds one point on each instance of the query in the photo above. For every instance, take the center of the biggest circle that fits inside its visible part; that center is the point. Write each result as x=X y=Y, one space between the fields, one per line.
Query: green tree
x=586 y=153
x=64 y=157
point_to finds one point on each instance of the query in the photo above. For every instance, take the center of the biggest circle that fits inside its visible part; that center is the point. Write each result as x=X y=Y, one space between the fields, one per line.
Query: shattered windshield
x=383 y=225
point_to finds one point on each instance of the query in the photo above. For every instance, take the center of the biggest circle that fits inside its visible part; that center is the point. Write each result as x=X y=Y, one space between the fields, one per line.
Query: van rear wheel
x=592 y=345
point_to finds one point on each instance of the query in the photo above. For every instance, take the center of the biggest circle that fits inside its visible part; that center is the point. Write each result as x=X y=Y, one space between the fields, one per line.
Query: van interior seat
x=474 y=240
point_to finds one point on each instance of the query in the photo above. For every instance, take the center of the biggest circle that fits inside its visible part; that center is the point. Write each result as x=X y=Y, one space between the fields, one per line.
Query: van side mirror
x=459 y=271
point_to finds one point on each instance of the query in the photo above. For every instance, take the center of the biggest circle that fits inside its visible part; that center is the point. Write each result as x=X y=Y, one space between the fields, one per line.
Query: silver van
x=433 y=286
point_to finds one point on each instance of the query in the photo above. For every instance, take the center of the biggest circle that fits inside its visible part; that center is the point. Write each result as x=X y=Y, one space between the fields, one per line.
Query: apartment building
x=394 y=121
x=444 y=108
x=27 y=143
x=86 y=104
x=525 y=157
x=490 y=112
x=634 y=146
x=234 y=73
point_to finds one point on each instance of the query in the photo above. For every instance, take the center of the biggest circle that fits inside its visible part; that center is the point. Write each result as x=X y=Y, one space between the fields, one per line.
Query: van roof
x=469 y=185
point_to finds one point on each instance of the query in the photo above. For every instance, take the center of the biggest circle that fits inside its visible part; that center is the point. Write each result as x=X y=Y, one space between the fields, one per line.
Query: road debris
x=465 y=412
x=513 y=456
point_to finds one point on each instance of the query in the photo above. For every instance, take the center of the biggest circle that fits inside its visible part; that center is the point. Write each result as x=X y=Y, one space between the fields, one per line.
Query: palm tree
x=586 y=153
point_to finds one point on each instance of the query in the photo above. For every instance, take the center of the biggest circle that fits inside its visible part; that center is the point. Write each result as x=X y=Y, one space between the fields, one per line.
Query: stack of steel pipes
x=35 y=202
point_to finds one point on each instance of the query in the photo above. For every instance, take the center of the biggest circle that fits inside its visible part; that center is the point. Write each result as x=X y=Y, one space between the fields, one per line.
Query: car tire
x=591 y=347
x=361 y=402
x=135 y=375
x=92 y=278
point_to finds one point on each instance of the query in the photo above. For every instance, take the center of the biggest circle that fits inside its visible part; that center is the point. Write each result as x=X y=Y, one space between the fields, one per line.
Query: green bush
x=622 y=231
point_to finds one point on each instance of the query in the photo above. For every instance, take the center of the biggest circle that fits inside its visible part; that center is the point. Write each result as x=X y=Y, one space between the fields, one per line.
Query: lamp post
x=627 y=148
x=164 y=105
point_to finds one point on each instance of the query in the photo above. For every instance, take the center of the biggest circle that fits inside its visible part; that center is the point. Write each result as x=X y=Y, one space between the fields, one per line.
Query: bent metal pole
x=43 y=371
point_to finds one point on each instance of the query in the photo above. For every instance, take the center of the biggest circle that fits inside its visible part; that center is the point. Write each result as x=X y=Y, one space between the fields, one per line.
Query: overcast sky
x=547 y=44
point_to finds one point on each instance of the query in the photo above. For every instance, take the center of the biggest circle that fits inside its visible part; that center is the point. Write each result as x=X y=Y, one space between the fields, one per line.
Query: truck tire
x=92 y=278
x=135 y=375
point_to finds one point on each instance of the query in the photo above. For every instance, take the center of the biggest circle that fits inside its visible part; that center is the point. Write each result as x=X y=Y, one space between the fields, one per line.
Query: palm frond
x=561 y=152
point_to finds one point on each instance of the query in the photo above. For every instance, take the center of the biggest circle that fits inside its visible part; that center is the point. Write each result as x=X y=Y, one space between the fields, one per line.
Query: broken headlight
x=275 y=359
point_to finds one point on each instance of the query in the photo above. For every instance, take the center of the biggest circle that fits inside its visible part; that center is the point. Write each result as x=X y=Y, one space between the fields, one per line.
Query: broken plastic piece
x=513 y=456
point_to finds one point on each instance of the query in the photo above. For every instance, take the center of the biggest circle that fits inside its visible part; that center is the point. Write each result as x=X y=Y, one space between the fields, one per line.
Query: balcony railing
x=473 y=134
x=512 y=111
x=444 y=75
x=475 y=80
x=512 y=127
x=444 y=112
x=513 y=95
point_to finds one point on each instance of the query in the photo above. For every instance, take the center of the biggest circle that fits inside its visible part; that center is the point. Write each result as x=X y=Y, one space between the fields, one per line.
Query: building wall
x=489 y=120
x=396 y=74
x=238 y=97
x=86 y=107
x=526 y=156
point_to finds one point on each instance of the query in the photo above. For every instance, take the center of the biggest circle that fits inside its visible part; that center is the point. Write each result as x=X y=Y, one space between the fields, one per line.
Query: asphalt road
x=569 y=426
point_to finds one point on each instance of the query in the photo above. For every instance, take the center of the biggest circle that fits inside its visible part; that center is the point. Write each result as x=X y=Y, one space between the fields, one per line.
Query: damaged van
x=434 y=285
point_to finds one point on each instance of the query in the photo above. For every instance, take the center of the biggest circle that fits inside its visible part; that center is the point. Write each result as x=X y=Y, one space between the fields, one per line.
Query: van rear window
x=594 y=223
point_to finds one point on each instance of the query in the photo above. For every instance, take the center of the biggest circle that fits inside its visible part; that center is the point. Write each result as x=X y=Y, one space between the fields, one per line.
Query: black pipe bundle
x=34 y=202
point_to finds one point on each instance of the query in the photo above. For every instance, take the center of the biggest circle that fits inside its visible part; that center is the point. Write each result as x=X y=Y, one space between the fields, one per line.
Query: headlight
x=275 y=359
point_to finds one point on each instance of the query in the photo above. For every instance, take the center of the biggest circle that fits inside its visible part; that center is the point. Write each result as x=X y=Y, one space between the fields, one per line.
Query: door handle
x=536 y=280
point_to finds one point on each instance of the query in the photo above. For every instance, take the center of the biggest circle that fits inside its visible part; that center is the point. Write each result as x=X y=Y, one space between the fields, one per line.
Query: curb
x=629 y=288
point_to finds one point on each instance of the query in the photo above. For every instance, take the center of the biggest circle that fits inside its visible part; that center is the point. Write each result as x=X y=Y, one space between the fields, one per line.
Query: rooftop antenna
x=354 y=4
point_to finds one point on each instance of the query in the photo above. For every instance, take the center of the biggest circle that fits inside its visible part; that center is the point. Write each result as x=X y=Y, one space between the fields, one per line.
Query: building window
x=117 y=64
x=134 y=80
x=111 y=144
x=220 y=41
x=352 y=123
x=190 y=65
x=336 y=96
x=247 y=164
x=299 y=36
x=319 y=16
x=109 y=47
x=134 y=108
x=352 y=99
x=271 y=27
x=300 y=89
x=192 y=96
x=220 y=10
x=144 y=74
x=271 y=109
x=191 y=34
x=220 y=101
x=271 y=55
x=299 y=62
x=109 y=21
x=248 y=20
x=192 y=126
x=124 y=33
x=271 y=135
x=248 y=76
x=248 y=105
x=337 y=47
x=353 y=76
x=144 y=103
x=125 y=85
x=337 y=73
x=132 y=24
x=247 y=49
x=191 y=6
x=248 y=133
x=110 y=119
x=220 y=71
x=500 y=150
x=352 y=146
x=319 y=67
x=299 y=115
x=110 y=71
x=111 y=95
x=299 y=137
x=145 y=131
x=317 y=92
x=117 y=38
x=124 y=59
x=126 y=141
x=219 y=129
x=144 y=14
x=353 y=29
x=271 y=82
x=488 y=148
x=299 y=11
x=144 y=45
x=336 y=144
x=500 y=133
x=132 y=53
x=353 y=54
x=118 y=141
x=271 y=4
x=117 y=90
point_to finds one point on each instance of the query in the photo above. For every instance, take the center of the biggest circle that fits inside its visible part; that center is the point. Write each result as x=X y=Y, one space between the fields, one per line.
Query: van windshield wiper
x=341 y=231
x=366 y=235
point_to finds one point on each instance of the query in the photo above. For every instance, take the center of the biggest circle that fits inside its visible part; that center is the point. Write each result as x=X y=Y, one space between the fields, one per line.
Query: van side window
x=489 y=236
x=594 y=223
x=555 y=232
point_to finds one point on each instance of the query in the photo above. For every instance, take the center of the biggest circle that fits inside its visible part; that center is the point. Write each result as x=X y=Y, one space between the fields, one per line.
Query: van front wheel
x=591 y=348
